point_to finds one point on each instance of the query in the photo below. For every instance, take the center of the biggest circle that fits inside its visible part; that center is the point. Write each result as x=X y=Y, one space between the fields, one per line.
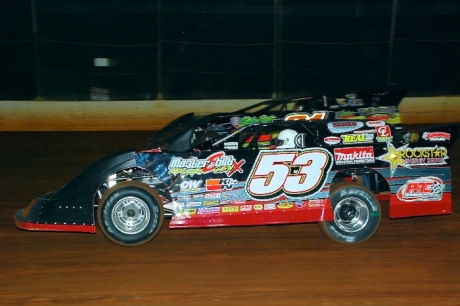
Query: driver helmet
x=286 y=139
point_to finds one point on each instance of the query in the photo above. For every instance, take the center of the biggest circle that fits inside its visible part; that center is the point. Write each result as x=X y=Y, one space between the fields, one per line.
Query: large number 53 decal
x=296 y=174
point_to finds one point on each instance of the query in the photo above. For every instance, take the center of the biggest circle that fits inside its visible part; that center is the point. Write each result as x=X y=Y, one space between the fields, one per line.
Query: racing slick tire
x=130 y=213
x=357 y=214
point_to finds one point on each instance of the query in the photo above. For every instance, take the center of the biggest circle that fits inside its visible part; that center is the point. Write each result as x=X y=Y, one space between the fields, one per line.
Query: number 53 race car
x=268 y=164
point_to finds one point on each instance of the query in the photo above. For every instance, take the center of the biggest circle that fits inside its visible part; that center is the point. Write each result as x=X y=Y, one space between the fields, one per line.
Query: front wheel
x=130 y=213
x=357 y=214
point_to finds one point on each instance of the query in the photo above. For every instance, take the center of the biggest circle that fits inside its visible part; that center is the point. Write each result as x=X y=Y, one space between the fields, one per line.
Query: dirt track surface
x=413 y=261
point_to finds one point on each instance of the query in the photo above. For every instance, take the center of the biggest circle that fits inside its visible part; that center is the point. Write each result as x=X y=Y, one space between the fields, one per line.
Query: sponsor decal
x=300 y=204
x=258 y=207
x=233 y=145
x=208 y=210
x=316 y=203
x=230 y=209
x=285 y=205
x=269 y=206
x=354 y=155
x=238 y=201
x=247 y=120
x=191 y=185
x=332 y=140
x=383 y=133
x=407 y=157
x=245 y=207
x=218 y=162
x=210 y=203
x=198 y=195
x=364 y=132
x=374 y=111
x=212 y=195
x=224 y=202
x=427 y=188
x=436 y=136
x=220 y=184
x=344 y=126
x=357 y=138
x=193 y=204
x=375 y=123
x=304 y=116
x=187 y=212
x=292 y=173
x=184 y=197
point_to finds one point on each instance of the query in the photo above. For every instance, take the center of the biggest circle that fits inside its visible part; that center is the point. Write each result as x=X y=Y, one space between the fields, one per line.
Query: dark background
x=208 y=49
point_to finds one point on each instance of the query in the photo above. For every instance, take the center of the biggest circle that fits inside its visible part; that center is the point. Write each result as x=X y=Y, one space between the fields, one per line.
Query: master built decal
x=419 y=156
x=292 y=173
x=215 y=163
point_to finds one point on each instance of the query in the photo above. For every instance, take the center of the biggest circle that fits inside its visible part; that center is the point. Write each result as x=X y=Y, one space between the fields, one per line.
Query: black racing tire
x=357 y=214
x=130 y=213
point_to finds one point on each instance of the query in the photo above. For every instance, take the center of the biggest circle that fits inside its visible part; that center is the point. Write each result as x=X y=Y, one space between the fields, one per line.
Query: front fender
x=70 y=208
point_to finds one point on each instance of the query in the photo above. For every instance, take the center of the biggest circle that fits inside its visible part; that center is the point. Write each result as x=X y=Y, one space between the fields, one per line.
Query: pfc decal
x=218 y=162
x=230 y=209
x=292 y=173
x=427 y=188
x=189 y=186
x=436 y=136
x=344 y=126
x=357 y=138
x=383 y=133
x=332 y=140
x=245 y=207
x=406 y=157
x=220 y=184
x=354 y=155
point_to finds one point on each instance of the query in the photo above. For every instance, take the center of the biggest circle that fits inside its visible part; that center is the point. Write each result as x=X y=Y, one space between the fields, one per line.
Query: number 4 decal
x=295 y=174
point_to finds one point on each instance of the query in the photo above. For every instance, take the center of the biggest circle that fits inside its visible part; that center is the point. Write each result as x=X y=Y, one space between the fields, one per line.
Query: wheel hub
x=351 y=215
x=130 y=215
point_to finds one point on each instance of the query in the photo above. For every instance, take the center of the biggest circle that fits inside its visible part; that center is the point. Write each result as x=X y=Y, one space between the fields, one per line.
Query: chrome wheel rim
x=351 y=215
x=130 y=215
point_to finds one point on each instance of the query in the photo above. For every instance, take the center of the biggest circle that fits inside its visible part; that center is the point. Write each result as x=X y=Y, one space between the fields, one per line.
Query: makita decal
x=436 y=136
x=427 y=188
x=216 y=163
x=344 y=126
x=354 y=155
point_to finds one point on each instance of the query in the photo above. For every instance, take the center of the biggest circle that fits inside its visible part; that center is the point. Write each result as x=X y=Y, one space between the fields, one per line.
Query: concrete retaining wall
x=153 y=115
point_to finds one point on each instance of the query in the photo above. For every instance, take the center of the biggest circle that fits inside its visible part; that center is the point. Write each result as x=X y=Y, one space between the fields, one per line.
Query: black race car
x=263 y=165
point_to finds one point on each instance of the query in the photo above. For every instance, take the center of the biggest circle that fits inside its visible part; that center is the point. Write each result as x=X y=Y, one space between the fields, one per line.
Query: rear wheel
x=130 y=213
x=357 y=214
